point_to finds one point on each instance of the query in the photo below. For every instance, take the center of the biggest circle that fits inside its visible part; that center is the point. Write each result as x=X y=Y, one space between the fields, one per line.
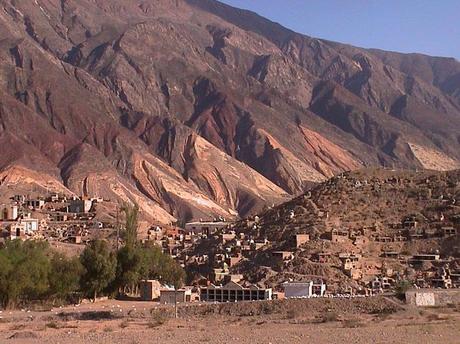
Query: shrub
x=401 y=288
x=52 y=324
x=329 y=317
x=158 y=319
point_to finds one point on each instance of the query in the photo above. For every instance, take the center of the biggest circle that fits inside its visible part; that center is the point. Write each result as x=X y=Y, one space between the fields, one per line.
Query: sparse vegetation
x=329 y=317
x=52 y=324
x=124 y=324
x=158 y=318
x=401 y=288
x=353 y=323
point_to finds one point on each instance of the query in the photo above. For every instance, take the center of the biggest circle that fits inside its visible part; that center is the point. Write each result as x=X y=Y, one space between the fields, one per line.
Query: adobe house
x=282 y=256
x=448 y=231
x=150 y=290
x=301 y=239
x=219 y=274
x=9 y=213
x=442 y=278
x=35 y=203
x=225 y=237
x=338 y=235
x=384 y=239
x=410 y=222
x=351 y=266
x=322 y=257
x=80 y=206
x=234 y=292
x=234 y=259
x=16 y=231
x=233 y=278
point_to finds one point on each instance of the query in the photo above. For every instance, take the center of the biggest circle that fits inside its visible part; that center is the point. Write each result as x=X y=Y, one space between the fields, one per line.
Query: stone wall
x=433 y=297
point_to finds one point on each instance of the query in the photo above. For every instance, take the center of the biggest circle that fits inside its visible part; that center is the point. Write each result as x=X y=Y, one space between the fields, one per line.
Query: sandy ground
x=141 y=322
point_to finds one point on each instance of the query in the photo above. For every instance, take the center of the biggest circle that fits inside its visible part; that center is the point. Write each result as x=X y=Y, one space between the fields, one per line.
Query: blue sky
x=426 y=26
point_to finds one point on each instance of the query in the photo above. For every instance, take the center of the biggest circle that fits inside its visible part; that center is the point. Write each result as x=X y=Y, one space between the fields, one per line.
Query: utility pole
x=175 y=302
x=118 y=227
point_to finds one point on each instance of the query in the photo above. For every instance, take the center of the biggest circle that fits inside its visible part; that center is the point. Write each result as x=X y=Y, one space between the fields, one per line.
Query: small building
x=410 y=222
x=225 y=237
x=390 y=254
x=22 y=228
x=234 y=292
x=282 y=256
x=339 y=235
x=233 y=278
x=426 y=257
x=80 y=206
x=19 y=198
x=304 y=289
x=35 y=203
x=9 y=213
x=171 y=296
x=218 y=274
x=322 y=257
x=448 y=231
x=301 y=239
x=234 y=259
x=150 y=290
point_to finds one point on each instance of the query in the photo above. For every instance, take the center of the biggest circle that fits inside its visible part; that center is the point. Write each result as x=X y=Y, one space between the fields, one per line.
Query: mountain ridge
x=198 y=109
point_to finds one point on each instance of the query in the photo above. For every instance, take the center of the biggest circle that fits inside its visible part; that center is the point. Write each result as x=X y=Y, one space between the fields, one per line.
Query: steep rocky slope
x=195 y=109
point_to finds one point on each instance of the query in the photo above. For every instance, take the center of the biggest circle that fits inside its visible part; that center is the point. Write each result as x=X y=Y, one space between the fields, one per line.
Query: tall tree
x=129 y=257
x=99 y=267
x=64 y=276
x=131 y=225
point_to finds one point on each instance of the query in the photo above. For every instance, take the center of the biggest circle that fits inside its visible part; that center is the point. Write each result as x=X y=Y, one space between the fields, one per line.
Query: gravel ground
x=96 y=325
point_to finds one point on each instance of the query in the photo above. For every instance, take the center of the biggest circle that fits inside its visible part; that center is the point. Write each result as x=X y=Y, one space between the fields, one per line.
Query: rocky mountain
x=193 y=108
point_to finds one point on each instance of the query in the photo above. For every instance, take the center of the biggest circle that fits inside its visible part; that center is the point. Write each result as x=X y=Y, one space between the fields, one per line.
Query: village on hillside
x=305 y=248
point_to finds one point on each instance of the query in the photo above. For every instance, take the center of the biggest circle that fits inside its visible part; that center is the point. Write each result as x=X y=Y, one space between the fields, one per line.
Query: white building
x=304 y=289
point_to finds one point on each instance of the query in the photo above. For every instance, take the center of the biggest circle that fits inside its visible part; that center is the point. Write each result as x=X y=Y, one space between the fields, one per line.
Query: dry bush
x=329 y=317
x=293 y=313
x=434 y=317
x=16 y=327
x=158 y=319
x=52 y=324
x=353 y=323
x=124 y=324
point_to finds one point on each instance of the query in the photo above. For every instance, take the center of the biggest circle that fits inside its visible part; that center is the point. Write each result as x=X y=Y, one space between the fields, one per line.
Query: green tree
x=129 y=257
x=157 y=265
x=131 y=225
x=129 y=267
x=65 y=276
x=24 y=272
x=6 y=268
x=99 y=267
